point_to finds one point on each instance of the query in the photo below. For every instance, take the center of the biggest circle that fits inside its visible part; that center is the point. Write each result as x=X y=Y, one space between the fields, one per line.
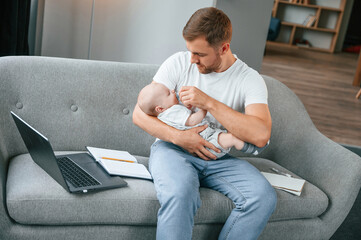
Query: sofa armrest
x=329 y=166
x=297 y=145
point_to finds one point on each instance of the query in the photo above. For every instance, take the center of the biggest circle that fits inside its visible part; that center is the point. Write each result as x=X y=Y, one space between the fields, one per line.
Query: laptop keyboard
x=76 y=175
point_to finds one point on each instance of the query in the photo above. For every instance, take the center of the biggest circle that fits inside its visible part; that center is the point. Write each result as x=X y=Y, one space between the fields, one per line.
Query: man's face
x=206 y=57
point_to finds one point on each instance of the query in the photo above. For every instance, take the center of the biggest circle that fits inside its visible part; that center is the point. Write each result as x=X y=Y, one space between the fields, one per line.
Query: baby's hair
x=148 y=98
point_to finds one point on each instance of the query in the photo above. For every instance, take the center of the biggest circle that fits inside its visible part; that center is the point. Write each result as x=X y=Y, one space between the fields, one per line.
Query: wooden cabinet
x=309 y=24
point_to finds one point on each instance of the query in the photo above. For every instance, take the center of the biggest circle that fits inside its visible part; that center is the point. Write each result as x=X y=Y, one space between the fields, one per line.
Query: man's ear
x=224 y=48
x=159 y=109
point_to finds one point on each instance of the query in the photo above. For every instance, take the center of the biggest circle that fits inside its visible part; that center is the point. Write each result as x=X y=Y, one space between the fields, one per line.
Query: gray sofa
x=78 y=103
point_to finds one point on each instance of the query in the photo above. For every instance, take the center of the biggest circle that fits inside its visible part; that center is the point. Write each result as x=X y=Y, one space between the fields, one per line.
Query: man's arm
x=254 y=126
x=189 y=140
x=196 y=117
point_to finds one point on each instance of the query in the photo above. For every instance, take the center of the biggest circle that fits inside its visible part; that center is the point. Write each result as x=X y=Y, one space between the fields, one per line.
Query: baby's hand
x=190 y=107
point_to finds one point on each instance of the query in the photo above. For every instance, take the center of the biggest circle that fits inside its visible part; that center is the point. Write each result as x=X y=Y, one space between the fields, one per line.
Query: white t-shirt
x=176 y=116
x=237 y=87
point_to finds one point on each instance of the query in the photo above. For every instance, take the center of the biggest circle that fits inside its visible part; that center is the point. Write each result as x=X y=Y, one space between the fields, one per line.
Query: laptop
x=77 y=173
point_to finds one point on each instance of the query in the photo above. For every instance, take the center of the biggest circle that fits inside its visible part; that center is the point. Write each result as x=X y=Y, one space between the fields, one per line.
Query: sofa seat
x=34 y=198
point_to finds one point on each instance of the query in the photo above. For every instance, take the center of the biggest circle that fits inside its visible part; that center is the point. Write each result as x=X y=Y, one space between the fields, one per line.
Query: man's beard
x=214 y=67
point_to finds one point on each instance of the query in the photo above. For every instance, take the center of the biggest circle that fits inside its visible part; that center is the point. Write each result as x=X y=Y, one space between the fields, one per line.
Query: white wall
x=66 y=26
x=141 y=30
x=146 y=31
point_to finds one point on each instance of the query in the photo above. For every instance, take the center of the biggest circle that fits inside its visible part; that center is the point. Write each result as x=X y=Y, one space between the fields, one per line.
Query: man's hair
x=211 y=23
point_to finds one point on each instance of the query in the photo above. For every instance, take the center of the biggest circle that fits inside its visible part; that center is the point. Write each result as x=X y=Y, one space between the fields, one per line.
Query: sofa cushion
x=33 y=197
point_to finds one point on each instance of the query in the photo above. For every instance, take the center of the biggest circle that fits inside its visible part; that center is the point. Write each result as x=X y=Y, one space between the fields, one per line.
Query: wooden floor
x=323 y=82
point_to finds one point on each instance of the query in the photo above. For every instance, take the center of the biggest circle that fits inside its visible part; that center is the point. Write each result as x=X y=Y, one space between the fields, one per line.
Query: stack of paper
x=288 y=184
x=119 y=163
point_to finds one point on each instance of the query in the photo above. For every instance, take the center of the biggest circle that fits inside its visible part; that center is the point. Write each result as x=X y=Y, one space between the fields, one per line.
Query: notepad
x=120 y=163
x=288 y=184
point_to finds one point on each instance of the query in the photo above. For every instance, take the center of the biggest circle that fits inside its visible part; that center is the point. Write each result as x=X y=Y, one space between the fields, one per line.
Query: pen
x=279 y=172
x=116 y=159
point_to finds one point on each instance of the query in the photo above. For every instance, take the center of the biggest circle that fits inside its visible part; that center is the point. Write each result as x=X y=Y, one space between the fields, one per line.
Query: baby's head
x=155 y=98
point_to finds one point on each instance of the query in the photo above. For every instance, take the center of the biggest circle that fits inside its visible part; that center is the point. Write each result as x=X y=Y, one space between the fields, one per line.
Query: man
x=210 y=77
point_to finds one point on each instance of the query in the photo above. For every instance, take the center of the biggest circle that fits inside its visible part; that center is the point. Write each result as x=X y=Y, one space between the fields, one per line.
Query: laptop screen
x=39 y=149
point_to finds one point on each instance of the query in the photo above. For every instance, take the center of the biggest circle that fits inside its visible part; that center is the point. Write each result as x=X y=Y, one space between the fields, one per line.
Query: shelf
x=311 y=28
x=295 y=46
x=316 y=49
x=312 y=6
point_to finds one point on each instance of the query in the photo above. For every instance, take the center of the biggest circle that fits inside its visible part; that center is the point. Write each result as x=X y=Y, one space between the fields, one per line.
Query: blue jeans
x=177 y=178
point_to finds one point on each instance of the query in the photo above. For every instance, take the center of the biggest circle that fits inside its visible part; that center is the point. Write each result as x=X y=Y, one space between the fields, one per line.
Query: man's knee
x=266 y=199
x=263 y=200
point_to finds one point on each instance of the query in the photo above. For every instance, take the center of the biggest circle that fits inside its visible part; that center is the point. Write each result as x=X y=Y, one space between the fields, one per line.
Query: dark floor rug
x=350 y=229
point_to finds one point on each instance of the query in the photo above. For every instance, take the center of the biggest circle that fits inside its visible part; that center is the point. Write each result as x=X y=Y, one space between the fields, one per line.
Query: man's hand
x=193 y=97
x=191 y=141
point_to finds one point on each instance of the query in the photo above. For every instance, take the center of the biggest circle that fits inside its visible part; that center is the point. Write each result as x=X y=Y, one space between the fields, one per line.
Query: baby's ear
x=159 y=109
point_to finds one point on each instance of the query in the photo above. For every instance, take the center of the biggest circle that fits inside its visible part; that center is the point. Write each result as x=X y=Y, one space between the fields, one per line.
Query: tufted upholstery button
x=74 y=108
x=126 y=111
x=19 y=105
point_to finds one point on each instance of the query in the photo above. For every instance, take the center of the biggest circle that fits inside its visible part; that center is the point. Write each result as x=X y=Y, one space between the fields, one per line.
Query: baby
x=157 y=100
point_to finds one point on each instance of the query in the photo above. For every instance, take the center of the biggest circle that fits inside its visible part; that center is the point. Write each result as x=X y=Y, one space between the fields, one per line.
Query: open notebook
x=119 y=163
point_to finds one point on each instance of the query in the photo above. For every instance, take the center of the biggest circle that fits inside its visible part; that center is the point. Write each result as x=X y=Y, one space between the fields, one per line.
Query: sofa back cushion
x=75 y=103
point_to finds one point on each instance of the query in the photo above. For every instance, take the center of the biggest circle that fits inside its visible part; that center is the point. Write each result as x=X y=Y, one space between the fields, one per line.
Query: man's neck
x=227 y=61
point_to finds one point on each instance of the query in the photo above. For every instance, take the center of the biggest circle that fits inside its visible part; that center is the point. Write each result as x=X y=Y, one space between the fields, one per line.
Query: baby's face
x=169 y=99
